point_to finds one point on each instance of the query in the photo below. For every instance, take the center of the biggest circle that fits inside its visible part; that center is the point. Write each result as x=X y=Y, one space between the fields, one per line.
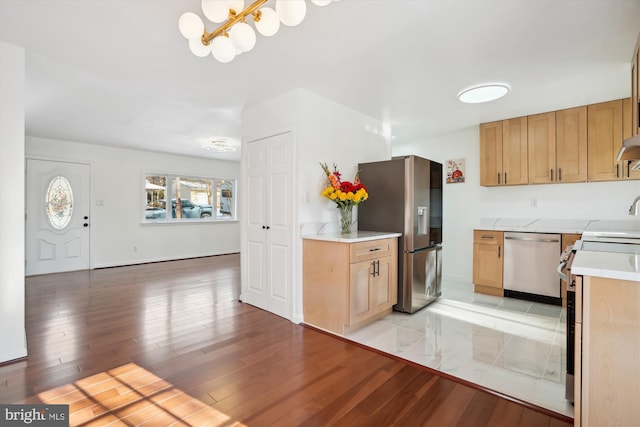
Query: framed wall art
x=455 y=171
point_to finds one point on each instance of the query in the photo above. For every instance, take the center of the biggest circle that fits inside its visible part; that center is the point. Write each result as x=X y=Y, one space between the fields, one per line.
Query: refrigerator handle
x=423 y=218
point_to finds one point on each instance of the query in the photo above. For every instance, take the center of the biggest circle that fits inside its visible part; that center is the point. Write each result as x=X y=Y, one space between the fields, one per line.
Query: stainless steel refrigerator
x=405 y=196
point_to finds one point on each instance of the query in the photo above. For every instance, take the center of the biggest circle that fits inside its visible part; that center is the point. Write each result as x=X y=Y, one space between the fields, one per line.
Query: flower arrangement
x=345 y=194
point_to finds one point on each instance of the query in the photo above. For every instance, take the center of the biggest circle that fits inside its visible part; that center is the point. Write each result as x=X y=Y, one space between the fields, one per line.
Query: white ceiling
x=118 y=72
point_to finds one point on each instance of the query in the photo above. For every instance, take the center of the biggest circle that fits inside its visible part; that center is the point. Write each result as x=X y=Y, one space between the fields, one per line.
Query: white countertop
x=354 y=237
x=607 y=264
x=546 y=225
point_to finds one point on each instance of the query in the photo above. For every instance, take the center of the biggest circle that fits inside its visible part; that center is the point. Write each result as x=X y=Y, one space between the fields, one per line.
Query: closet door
x=269 y=224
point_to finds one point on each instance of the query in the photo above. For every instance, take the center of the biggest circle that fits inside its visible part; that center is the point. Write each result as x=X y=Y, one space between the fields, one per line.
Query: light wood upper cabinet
x=558 y=146
x=635 y=90
x=627 y=132
x=491 y=153
x=542 y=148
x=503 y=152
x=571 y=145
x=604 y=140
x=514 y=151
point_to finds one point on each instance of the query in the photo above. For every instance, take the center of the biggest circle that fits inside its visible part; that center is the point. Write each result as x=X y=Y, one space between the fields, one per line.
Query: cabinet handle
x=505 y=178
x=498 y=177
x=498 y=251
x=551 y=172
x=617 y=171
x=487 y=237
x=628 y=168
x=375 y=267
x=374 y=249
x=559 y=174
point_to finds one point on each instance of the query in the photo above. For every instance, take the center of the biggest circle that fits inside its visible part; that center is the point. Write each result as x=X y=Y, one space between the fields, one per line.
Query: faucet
x=633 y=210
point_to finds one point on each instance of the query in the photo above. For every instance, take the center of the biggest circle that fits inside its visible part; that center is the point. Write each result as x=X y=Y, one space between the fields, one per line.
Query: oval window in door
x=59 y=202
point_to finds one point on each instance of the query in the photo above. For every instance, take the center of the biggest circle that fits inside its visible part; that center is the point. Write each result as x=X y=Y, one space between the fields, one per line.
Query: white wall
x=331 y=133
x=323 y=131
x=465 y=204
x=13 y=344
x=117 y=203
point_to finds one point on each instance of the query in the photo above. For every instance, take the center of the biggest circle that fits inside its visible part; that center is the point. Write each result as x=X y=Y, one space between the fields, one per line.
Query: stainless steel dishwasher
x=530 y=267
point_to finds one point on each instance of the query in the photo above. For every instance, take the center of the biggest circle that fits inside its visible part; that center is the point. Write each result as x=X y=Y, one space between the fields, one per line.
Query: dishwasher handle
x=531 y=239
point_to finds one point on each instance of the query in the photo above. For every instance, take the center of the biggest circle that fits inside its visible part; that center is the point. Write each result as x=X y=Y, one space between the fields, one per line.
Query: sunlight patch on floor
x=131 y=395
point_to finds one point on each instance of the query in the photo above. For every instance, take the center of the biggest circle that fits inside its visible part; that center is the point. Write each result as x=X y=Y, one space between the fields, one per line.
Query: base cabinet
x=348 y=285
x=488 y=261
x=607 y=368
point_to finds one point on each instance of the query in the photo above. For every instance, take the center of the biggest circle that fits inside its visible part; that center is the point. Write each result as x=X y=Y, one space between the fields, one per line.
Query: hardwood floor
x=169 y=344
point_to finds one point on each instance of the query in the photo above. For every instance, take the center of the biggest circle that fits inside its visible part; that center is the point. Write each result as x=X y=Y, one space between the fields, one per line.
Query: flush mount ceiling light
x=483 y=93
x=235 y=36
x=219 y=146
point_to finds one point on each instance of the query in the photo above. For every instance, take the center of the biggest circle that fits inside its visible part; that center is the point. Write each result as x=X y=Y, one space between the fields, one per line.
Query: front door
x=57 y=228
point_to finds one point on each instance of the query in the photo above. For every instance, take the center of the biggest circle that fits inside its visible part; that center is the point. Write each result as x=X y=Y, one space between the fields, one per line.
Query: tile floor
x=509 y=345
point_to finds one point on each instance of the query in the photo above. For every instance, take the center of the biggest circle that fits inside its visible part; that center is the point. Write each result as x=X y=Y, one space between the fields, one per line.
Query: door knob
x=85 y=224
x=86 y=217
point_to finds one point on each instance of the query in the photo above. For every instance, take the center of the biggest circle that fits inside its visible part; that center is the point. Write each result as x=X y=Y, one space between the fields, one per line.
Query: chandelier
x=235 y=36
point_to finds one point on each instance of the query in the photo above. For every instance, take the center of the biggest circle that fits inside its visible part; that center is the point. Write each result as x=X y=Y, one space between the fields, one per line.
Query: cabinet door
x=373 y=288
x=571 y=144
x=514 y=152
x=627 y=130
x=384 y=287
x=491 y=154
x=487 y=265
x=541 y=142
x=610 y=349
x=604 y=140
x=360 y=295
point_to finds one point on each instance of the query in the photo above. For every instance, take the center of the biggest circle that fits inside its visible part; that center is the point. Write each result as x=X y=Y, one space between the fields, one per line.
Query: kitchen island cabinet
x=607 y=339
x=349 y=282
x=488 y=262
